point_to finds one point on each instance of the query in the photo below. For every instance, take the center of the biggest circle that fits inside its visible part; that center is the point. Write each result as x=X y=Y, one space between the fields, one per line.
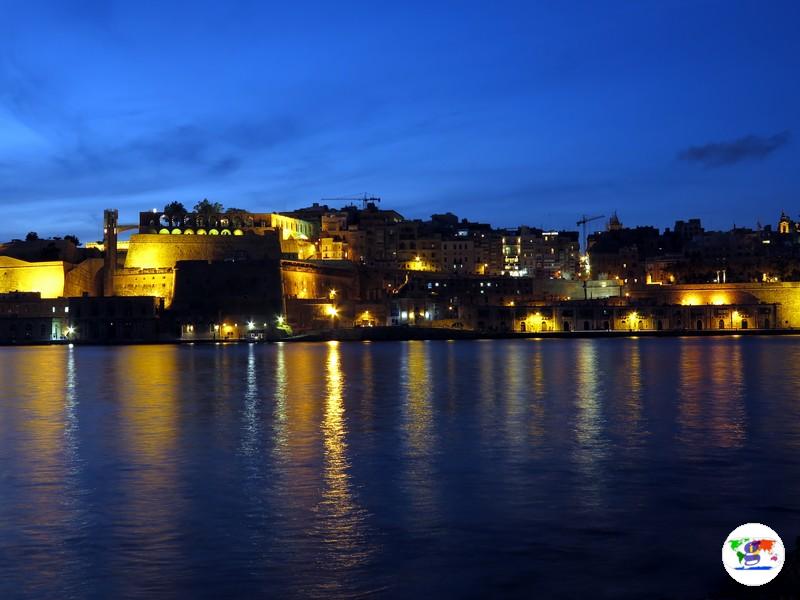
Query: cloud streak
x=723 y=154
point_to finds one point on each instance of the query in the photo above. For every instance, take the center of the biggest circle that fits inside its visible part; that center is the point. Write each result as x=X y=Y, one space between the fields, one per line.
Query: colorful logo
x=753 y=554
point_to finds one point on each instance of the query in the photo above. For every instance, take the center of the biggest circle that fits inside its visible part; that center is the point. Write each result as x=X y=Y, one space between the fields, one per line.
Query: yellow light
x=534 y=322
x=633 y=316
x=332 y=294
x=280 y=319
x=719 y=299
x=250 y=325
x=70 y=330
x=690 y=300
x=331 y=310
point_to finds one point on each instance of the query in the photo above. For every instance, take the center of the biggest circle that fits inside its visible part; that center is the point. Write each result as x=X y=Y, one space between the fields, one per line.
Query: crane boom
x=365 y=199
x=582 y=222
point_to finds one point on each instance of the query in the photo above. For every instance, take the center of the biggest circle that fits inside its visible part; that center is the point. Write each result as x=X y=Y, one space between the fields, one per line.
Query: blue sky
x=507 y=112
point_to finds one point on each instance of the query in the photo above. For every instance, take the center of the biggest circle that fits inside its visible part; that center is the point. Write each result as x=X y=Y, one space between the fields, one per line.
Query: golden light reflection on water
x=342 y=519
x=367 y=396
x=488 y=385
x=591 y=447
x=514 y=396
x=279 y=418
x=628 y=397
x=711 y=403
x=728 y=417
x=418 y=431
x=537 y=426
x=41 y=378
x=147 y=385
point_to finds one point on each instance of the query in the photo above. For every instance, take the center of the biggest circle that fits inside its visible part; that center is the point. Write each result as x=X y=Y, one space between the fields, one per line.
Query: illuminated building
x=529 y=252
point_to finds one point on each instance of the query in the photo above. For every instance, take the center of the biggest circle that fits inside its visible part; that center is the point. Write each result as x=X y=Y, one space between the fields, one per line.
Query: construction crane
x=582 y=222
x=365 y=199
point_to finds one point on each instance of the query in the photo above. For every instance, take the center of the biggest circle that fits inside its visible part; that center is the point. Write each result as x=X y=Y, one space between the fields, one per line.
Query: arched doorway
x=744 y=323
x=566 y=326
x=659 y=325
x=699 y=324
x=766 y=323
x=522 y=325
x=721 y=324
x=606 y=325
x=586 y=325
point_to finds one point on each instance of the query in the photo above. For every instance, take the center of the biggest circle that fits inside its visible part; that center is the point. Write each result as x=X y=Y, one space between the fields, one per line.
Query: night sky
x=512 y=113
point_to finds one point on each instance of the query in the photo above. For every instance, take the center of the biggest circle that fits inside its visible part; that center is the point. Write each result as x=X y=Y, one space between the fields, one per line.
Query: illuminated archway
x=188 y=232
x=176 y=231
x=225 y=232
x=213 y=232
x=163 y=231
x=201 y=231
x=238 y=232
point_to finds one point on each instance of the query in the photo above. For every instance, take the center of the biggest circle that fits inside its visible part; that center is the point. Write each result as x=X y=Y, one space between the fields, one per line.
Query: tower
x=110 y=216
x=784 y=224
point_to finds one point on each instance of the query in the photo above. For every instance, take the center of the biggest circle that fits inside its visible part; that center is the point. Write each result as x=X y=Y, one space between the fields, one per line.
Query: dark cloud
x=168 y=157
x=721 y=154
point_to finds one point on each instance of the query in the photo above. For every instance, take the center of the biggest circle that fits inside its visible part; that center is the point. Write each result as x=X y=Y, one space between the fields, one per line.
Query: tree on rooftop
x=32 y=235
x=204 y=206
x=207 y=211
x=73 y=238
x=175 y=211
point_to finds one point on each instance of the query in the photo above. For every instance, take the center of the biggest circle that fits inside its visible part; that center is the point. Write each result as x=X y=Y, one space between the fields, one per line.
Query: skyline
x=509 y=115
